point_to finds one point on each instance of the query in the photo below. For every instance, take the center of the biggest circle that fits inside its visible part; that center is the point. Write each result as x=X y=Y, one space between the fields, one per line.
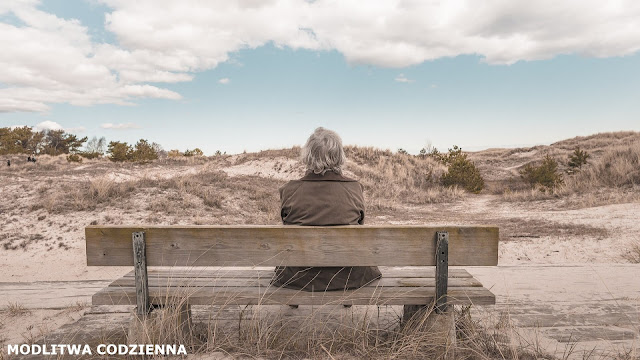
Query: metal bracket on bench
x=142 y=282
x=442 y=270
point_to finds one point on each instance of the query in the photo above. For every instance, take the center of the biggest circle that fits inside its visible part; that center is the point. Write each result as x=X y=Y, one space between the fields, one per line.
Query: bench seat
x=229 y=286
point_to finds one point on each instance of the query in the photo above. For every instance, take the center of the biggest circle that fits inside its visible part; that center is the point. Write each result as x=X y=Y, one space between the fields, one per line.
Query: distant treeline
x=25 y=140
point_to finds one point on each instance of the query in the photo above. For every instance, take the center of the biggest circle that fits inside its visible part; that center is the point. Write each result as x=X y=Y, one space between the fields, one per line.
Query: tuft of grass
x=632 y=254
x=14 y=309
x=323 y=331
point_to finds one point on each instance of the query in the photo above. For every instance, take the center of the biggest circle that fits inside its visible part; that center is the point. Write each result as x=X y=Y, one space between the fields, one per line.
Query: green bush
x=546 y=174
x=461 y=171
x=90 y=155
x=194 y=152
x=119 y=151
x=578 y=158
x=144 y=152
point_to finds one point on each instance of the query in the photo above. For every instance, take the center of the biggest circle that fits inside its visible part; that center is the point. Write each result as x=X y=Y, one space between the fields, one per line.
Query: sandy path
x=555 y=307
x=584 y=306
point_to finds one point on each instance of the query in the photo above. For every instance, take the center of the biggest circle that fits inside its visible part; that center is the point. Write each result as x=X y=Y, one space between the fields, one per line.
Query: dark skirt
x=325 y=278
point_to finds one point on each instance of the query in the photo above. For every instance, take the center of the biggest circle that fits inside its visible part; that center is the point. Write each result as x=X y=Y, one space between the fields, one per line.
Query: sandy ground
x=617 y=228
x=532 y=233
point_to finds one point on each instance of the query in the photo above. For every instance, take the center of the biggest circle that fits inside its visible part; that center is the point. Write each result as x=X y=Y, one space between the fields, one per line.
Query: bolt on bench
x=226 y=247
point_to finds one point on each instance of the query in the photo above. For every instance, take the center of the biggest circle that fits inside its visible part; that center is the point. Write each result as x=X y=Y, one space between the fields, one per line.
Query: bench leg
x=410 y=311
x=440 y=325
x=166 y=325
x=444 y=326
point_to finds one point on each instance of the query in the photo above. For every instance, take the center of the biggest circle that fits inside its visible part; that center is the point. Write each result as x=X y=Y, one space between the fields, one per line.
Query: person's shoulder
x=353 y=186
x=290 y=186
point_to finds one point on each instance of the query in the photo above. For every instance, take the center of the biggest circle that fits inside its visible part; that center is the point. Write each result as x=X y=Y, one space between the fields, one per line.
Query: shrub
x=144 y=152
x=174 y=153
x=461 y=171
x=194 y=152
x=90 y=155
x=74 y=158
x=578 y=158
x=119 y=151
x=546 y=174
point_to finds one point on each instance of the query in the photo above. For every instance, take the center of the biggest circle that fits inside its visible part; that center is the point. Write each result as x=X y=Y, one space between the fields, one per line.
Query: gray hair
x=323 y=152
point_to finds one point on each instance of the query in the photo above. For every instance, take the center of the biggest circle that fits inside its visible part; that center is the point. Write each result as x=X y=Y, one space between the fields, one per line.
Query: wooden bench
x=221 y=248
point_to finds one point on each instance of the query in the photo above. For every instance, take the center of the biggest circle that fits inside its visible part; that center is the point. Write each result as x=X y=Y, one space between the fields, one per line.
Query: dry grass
x=326 y=331
x=14 y=309
x=612 y=177
x=292 y=153
x=391 y=179
x=632 y=254
x=240 y=199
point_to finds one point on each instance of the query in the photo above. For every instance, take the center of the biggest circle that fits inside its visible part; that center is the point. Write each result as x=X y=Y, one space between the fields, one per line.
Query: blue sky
x=281 y=86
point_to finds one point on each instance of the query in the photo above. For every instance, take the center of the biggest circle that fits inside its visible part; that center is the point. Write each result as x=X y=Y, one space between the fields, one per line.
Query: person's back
x=322 y=200
x=323 y=197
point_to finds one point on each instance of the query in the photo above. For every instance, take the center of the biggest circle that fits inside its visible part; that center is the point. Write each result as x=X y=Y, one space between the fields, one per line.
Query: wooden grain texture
x=229 y=272
x=397 y=245
x=282 y=296
x=156 y=281
x=140 y=271
x=442 y=271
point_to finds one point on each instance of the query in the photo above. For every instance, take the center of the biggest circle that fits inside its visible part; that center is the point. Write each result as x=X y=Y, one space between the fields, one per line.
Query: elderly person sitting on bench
x=323 y=197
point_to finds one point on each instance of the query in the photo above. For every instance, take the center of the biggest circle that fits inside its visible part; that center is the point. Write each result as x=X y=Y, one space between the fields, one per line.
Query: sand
x=532 y=233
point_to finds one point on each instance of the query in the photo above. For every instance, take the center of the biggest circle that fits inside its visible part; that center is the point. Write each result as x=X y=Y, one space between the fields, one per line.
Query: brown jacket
x=323 y=200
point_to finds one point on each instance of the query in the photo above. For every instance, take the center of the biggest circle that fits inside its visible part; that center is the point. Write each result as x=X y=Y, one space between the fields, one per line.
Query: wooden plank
x=281 y=296
x=409 y=272
x=140 y=270
x=264 y=282
x=291 y=245
x=442 y=271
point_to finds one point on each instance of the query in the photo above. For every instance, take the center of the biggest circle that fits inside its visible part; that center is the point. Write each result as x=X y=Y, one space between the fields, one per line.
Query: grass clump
x=632 y=254
x=14 y=309
x=74 y=158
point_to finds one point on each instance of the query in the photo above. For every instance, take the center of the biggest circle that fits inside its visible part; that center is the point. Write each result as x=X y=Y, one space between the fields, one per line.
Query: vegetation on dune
x=546 y=174
x=24 y=140
x=390 y=179
x=602 y=168
x=141 y=152
x=461 y=171
x=577 y=159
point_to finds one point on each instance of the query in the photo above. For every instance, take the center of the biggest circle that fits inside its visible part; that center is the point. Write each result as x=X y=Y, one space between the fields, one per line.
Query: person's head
x=323 y=152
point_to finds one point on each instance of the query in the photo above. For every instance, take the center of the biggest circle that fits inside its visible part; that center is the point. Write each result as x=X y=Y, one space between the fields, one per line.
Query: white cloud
x=224 y=81
x=53 y=60
x=52 y=125
x=120 y=126
x=403 y=79
x=48 y=125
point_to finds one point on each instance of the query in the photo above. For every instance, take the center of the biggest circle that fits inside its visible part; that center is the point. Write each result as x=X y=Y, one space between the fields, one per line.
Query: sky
x=252 y=75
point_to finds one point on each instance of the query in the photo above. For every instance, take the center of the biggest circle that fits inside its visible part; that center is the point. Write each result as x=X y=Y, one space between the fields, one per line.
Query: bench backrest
x=388 y=245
